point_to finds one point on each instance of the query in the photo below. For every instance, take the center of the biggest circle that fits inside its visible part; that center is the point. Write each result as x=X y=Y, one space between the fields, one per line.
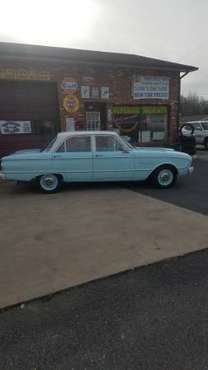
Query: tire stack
x=187 y=142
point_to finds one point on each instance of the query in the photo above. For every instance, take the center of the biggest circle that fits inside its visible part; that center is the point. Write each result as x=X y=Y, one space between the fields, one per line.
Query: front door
x=93 y=121
x=110 y=161
x=74 y=159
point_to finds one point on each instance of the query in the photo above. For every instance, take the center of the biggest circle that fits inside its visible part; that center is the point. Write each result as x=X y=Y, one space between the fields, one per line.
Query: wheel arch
x=164 y=165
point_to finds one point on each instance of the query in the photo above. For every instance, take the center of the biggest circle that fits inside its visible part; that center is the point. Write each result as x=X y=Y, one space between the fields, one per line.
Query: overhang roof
x=13 y=50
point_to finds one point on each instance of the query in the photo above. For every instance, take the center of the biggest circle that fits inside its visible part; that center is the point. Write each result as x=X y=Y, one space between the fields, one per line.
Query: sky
x=169 y=30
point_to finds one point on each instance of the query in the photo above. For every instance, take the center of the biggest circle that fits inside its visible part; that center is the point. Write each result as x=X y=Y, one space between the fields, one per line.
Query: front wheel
x=50 y=183
x=164 y=177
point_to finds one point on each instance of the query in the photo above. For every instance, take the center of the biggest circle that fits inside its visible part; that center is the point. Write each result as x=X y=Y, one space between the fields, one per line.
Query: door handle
x=99 y=155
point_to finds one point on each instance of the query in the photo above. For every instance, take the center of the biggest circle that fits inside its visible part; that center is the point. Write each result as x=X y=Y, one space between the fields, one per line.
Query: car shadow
x=190 y=192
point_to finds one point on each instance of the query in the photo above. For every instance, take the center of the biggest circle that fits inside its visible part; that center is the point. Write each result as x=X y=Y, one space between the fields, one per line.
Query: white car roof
x=66 y=134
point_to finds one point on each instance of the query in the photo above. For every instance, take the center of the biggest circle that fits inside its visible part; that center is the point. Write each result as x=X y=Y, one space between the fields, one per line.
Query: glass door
x=93 y=121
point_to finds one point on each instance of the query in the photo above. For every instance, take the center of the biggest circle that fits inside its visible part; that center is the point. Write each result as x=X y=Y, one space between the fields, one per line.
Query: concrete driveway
x=52 y=242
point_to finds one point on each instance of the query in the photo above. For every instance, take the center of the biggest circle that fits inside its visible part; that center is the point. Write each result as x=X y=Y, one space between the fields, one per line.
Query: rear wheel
x=164 y=177
x=50 y=183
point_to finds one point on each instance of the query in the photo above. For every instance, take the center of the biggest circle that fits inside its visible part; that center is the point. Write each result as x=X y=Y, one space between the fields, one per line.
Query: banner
x=150 y=87
x=15 y=127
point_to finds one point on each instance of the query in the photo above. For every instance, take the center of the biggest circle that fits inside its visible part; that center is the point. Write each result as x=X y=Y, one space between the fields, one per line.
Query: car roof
x=74 y=133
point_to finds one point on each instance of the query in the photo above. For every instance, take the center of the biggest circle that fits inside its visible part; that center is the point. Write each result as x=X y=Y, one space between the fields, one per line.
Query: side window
x=107 y=143
x=78 y=144
x=197 y=126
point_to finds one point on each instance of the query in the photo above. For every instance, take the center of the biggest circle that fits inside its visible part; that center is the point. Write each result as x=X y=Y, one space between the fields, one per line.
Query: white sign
x=15 y=127
x=95 y=93
x=70 y=124
x=85 y=92
x=69 y=84
x=105 y=92
x=151 y=87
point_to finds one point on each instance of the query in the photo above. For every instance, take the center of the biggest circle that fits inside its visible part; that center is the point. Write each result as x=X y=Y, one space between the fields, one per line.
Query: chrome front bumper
x=2 y=176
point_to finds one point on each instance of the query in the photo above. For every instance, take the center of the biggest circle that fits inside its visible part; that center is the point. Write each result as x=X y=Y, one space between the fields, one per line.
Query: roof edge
x=13 y=50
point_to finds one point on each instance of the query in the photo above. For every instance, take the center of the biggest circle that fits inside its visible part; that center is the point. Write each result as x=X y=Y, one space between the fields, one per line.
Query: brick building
x=46 y=89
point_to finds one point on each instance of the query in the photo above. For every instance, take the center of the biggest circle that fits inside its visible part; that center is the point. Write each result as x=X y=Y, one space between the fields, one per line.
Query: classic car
x=95 y=156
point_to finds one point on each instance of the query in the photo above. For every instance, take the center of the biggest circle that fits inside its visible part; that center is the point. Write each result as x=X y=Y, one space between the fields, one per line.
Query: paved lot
x=191 y=194
x=153 y=318
x=50 y=243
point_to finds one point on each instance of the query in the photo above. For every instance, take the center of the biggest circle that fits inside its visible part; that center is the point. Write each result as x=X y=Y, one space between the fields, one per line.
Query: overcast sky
x=170 y=30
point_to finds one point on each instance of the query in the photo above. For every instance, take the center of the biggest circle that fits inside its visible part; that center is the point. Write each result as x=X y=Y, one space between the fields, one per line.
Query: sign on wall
x=85 y=92
x=139 y=109
x=24 y=74
x=151 y=87
x=71 y=104
x=70 y=124
x=105 y=92
x=15 y=127
x=95 y=93
x=69 y=85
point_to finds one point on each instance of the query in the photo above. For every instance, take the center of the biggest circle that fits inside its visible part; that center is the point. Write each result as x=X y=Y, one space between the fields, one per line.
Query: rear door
x=74 y=159
x=111 y=161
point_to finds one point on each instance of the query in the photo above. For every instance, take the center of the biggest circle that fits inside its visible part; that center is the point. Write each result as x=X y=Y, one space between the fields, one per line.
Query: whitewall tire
x=50 y=183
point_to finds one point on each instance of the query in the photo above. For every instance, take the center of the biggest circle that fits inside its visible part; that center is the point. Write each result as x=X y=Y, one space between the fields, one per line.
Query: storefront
x=44 y=90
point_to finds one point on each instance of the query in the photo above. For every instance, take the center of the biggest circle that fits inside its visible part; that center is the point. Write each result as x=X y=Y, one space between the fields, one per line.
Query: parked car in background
x=200 y=132
x=95 y=156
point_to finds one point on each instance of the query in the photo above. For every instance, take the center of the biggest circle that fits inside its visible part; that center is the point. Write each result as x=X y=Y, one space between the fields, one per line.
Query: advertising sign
x=70 y=124
x=15 y=127
x=151 y=87
x=71 y=104
x=95 y=93
x=85 y=92
x=105 y=92
x=69 y=85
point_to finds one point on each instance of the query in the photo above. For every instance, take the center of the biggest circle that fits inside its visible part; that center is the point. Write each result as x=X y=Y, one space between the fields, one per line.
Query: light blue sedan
x=95 y=156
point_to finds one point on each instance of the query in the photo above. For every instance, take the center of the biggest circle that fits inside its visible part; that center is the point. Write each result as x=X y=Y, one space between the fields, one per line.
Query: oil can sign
x=15 y=127
x=71 y=104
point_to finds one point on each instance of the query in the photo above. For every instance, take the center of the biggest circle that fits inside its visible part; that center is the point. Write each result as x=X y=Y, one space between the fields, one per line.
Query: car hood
x=153 y=148
x=161 y=152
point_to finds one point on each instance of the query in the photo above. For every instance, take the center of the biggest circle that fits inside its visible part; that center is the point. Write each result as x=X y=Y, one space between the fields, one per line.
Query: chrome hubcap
x=165 y=177
x=49 y=182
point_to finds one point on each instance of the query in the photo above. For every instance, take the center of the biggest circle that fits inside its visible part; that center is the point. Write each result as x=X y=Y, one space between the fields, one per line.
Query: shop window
x=152 y=128
x=78 y=144
x=107 y=143
x=141 y=127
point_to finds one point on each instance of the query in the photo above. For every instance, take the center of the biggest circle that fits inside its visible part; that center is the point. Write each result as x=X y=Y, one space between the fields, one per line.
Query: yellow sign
x=24 y=74
x=71 y=104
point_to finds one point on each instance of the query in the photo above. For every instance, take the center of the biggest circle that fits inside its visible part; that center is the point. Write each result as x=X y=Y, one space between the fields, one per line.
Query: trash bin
x=187 y=140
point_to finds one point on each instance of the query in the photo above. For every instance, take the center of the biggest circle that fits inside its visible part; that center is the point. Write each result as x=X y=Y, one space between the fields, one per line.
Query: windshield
x=205 y=125
x=47 y=147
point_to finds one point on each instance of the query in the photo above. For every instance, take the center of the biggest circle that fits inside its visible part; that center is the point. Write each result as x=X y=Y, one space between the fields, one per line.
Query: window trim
x=75 y=136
